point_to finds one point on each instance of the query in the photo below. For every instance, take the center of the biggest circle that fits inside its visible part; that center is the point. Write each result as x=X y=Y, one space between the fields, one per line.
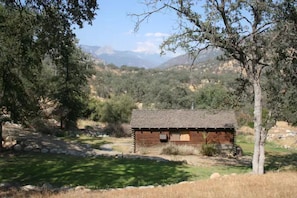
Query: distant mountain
x=129 y=58
x=205 y=58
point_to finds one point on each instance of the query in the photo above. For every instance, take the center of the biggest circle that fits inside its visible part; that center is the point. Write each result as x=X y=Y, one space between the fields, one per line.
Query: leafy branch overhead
x=32 y=31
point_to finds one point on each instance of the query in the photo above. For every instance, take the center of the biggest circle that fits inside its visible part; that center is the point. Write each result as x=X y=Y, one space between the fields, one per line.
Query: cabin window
x=163 y=138
x=180 y=136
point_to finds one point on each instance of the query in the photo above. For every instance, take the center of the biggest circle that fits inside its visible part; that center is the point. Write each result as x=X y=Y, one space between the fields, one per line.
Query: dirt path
x=14 y=134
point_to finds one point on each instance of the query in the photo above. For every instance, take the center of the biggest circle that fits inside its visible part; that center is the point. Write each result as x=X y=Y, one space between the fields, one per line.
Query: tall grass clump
x=172 y=149
x=209 y=150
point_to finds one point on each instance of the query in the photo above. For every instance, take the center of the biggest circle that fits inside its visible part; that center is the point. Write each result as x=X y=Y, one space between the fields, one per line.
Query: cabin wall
x=151 y=137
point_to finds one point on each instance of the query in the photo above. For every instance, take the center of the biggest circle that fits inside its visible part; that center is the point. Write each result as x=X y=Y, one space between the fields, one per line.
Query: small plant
x=173 y=149
x=209 y=150
x=170 y=150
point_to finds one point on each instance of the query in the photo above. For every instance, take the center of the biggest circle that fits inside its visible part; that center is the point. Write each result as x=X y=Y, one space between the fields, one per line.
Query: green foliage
x=19 y=63
x=162 y=89
x=209 y=149
x=72 y=81
x=245 y=30
x=281 y=80
x=33 y=31
x=213 y=96
x=94 y=109
x=117 y=109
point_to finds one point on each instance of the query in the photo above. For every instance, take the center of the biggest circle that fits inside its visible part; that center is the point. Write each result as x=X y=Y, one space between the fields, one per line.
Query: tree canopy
x=245 y=30
x=31 y=31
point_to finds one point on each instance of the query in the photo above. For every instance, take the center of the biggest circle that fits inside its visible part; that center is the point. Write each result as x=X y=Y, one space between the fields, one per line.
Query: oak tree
x=30 y=31
x=243 y=29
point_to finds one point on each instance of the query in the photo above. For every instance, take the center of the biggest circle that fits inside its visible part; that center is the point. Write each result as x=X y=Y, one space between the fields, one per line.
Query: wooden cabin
x=183 y=127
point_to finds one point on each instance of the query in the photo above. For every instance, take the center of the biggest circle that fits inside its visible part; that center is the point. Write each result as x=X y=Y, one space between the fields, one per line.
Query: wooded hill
x=208 y=84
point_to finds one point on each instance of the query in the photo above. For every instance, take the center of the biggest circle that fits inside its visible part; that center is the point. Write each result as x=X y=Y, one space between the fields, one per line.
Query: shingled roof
x=182 y=119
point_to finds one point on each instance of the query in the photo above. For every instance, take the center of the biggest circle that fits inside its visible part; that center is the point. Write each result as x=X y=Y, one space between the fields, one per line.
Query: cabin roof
x=182 y=119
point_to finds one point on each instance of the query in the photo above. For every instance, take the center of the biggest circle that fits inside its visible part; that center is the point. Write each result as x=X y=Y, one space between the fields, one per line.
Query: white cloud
x=148 y=47
x=151 y=43
x=130 y=32
x=156 y=34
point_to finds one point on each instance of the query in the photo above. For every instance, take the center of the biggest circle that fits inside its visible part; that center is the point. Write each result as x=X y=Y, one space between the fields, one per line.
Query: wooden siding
x=151 y=137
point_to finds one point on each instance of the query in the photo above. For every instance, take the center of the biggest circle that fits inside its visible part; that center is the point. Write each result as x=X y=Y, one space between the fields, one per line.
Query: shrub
x=170 y=150
x=173 y=149
x=43 y=126
x=209 y=150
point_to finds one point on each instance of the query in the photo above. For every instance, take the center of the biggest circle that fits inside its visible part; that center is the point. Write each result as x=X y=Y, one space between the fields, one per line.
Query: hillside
x=208 y=58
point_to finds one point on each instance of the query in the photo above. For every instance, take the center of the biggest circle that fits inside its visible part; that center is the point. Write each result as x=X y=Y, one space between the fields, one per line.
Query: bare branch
x=145 y=16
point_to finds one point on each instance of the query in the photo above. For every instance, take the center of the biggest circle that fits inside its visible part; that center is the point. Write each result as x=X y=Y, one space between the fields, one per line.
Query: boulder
x=44 y=150
x=215 y=175
x=28 y=148
x=47 y=186
x=31 y=188
x=17 y=147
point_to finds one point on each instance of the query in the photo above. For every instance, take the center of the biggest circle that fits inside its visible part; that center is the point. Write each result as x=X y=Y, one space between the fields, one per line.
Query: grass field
x=102 y=172
x=277 y=157
x=271 y=185
x=108 y=172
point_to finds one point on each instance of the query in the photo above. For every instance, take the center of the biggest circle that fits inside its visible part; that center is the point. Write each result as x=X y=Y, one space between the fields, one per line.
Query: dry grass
x=82 y=124
x=172 y=149
x=271 y=185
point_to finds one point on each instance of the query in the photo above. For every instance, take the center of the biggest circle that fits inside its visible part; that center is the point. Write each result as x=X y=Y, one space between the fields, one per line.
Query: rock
x=44 y=150
x=145 y=187
x=47 y=186
x=30 y=188
x=5 y=185
x=8 y=144
x=71 y=152
x=130 y=187
x=17 y=147
x=28 y=148
x=77 y=188
x=53 y=150
x=215 y=175
x=35 y=146
x=9 y=139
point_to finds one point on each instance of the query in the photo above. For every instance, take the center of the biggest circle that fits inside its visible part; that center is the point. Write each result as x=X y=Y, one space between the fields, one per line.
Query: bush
x=209 y=150
x=170 y=150
x=173 y=149
x=43 y=126
x=117 y=130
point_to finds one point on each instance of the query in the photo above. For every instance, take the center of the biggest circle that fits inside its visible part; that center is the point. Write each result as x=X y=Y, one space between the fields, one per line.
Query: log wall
x=151 y=137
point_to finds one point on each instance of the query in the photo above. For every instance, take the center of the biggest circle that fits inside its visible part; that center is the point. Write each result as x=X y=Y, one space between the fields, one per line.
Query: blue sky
x=114 y=28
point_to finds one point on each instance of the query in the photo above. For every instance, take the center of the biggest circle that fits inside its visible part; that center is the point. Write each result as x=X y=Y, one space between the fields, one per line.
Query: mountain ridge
x=129 y=58
x=108 y=55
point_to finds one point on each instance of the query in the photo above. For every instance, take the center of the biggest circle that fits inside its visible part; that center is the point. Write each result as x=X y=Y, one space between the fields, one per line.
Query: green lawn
x=102 y=172
x=94 y=142
x=247 y=145
x=277 y=157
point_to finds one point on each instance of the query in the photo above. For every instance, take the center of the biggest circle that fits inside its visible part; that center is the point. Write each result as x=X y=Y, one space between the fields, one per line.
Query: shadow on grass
x=102 y=172
x=281 y=162
x=95 y=143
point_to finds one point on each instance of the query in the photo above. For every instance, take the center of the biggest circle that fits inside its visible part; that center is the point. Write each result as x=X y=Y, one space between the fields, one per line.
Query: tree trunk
x=1 y=137
x=259 y=152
